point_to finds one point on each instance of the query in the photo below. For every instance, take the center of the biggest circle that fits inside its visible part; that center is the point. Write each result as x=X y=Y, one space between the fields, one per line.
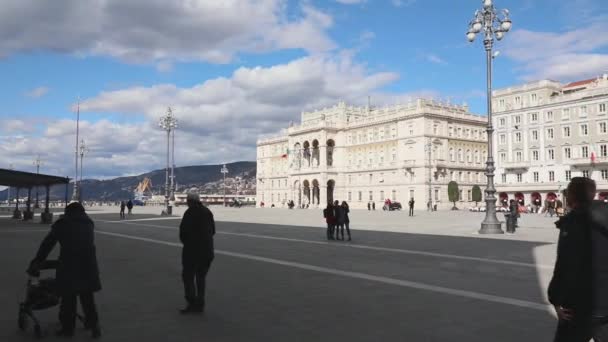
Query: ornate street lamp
x=224 y=171
x=167 y=123
x=84 y=149
x=75 y=193
x=37 y=164
x=492 y=24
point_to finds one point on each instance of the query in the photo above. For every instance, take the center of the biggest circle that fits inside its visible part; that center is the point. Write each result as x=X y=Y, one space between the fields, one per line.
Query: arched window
x=477 y=160
x=460 y=156
x=452 y=156
x=469 y=157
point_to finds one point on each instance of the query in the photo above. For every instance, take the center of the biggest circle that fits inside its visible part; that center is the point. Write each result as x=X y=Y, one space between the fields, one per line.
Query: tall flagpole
x=75 y=195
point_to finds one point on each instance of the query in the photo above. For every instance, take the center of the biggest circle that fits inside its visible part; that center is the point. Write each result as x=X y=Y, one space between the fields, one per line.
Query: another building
x=547 y=133
x=364 y=155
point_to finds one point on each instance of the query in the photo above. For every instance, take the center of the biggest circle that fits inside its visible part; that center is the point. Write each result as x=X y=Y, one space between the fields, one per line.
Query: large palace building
x=547 y=133
x=363 y=155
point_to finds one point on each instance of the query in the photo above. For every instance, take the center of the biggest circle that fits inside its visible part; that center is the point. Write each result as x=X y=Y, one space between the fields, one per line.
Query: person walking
x=340 y=220
x=373 y=205
x=122 y=209
x=196 y=233
x=130 y=206
x=330 y=219
x=580 y=278
x=346 y=224
x=411 y=204
x=77 y=268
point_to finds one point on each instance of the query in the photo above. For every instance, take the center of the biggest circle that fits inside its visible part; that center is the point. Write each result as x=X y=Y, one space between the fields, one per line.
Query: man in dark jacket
x=411 y=204
x=77 y=269
x=579 y=278
x=340 y=220
x=196 y=233
x=130 y=206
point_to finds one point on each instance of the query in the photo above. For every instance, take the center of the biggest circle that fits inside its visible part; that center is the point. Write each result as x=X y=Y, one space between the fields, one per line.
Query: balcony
x=516 y=165
x=587 y=161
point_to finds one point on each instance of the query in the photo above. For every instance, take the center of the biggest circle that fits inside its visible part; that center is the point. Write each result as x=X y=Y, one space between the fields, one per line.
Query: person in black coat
x=130 y=206
x=340 y=219
x=411 y=204
x=77 y=268
x=346 y=210
x=196 y=233
x=578 y=276
x=122 y=209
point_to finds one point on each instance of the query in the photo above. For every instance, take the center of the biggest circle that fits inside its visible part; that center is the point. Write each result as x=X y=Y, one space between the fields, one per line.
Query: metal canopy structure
x=26 y=180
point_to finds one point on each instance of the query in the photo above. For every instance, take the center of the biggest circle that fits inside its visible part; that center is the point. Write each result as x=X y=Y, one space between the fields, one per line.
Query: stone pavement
x=283 y=282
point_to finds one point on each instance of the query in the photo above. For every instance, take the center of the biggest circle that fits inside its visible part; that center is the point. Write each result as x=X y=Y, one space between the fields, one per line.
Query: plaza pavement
x=275 y=278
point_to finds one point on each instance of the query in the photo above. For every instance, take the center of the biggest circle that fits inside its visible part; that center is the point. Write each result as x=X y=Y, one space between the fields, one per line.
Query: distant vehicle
x=236 y=204
x=392 y=206
x=138 y=202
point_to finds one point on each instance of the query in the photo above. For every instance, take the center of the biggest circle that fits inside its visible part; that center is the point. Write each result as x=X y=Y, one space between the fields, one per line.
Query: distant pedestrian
x=580 y=277
x=130 y=206
x=373 y=205
x=196 y=233
x=330 y=219
x=435 y=206
x=122 y=209
x=411 y=205
x=369 y=206
x=346 y=210
x=340 y=220
x=429 y=205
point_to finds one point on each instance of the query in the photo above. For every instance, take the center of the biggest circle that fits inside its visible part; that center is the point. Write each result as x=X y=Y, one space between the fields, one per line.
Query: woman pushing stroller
x=77 y=269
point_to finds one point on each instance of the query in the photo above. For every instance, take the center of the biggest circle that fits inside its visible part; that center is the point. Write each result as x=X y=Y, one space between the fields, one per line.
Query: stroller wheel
x=37 y=331
x=22 y=321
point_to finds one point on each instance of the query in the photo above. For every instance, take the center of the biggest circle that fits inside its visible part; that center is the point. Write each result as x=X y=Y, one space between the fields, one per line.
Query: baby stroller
x=41 y=294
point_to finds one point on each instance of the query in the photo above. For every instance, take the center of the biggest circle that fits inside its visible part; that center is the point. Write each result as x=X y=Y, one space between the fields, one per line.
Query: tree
x=453 y=193
x=476 y=194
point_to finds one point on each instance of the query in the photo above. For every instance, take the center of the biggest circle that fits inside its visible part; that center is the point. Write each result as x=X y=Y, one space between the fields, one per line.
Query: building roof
x=20 y=179
x=579 y=83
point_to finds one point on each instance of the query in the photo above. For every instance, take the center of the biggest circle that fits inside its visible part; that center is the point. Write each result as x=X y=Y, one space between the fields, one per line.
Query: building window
x=411 y=193
x=535 y=174
x=586 y=173
x=535 y=135
x=382 y=195
x=450 y=131
x=534 y=117
x=566 y=131
x=551 y=154
x=549 y=116
x=517 y=119
x=568 y=175
x=501 y=102
x=519 y=178
x=584 y=129
x=517 y=136
x=566 y=114
x=550 y=133
x=603 y=150
x=460 y=192
x=605 y=174
x=360 y=196
x=535 y=155
x=519 y=156
x=350 y=196
x=452 y=156
x=567 y=153
x=504 y=178
x=394 y=195
x=517 y=100
x=460 y=156
x=602 y=129
x=602 y=108
x=533 y=97
x=394 y=155
x=503 y=139
x=551 y=176
x=371 y=195
x=585 y=152
x=583 y=111
x=502 y=122
x=503 y=156
x=371 y=178
x=469 y=197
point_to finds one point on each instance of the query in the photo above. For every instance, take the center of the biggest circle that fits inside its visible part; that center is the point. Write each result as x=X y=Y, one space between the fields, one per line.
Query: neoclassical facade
x=547 y=133
x=362 y=155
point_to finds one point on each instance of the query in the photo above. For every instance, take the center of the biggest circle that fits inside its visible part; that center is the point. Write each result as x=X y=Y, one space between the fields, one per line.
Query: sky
x=236 y=70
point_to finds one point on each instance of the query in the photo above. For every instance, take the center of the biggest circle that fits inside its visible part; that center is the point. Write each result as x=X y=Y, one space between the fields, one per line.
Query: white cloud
x=435 y=59
x=351 y=2
x=160 y=30
x=37 y=92
x=403 y=3
x=563 y=56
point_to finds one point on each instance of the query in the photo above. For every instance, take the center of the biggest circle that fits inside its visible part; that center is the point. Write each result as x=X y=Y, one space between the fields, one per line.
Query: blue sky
x=237 y=69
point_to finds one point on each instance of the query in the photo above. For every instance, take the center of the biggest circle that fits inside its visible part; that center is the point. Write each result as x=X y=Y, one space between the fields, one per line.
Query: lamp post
x=75 y=193
x=494 y=24
x=167 y=123
x=173 y=183
x=84 y=149
x=37 y=163
x=224 y=171
x=8 y=190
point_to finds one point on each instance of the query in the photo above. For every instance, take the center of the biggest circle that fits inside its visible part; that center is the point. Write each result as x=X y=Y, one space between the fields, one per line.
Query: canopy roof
x=20 y=179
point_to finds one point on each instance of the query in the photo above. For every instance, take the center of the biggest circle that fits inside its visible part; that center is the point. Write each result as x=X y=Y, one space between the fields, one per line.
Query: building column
x=323 y=156
x=323 y=195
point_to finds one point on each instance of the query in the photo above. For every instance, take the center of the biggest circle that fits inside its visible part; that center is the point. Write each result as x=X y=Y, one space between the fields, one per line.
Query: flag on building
x=592 y=157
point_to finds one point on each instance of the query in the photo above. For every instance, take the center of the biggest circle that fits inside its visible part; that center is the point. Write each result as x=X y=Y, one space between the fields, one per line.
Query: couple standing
x=336 y=217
